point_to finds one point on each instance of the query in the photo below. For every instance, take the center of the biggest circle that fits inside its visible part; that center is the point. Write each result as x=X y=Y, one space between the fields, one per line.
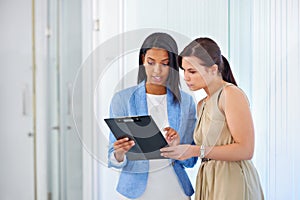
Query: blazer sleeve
x=117 y=109
x=188 y=125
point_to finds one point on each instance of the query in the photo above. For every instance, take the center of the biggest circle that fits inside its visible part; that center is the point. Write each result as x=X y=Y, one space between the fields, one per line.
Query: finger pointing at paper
x=172 y=136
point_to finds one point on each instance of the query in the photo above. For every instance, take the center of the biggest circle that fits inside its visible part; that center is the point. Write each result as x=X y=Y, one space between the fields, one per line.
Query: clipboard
x=145 y=133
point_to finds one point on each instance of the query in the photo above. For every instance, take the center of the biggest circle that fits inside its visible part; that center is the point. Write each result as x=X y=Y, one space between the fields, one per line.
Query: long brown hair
x=166 y=42
x=209 y=52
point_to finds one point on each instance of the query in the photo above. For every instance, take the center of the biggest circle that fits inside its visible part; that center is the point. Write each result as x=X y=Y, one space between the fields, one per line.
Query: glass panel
x=64 y=53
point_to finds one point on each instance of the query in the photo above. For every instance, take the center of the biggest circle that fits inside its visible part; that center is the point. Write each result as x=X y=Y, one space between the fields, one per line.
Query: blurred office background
x=62 y=60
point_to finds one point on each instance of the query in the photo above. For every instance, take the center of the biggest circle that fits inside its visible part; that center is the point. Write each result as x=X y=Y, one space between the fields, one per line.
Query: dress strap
x=225 y=85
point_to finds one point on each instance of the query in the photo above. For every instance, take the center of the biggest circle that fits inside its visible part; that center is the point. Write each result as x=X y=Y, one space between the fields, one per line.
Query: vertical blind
x=276 y=95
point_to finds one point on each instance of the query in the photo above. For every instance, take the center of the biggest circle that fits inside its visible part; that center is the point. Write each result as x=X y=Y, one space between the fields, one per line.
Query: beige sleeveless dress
x=222 y=180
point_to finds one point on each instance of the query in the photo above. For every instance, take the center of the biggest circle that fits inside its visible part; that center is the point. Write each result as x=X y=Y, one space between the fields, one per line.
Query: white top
x=163 y=183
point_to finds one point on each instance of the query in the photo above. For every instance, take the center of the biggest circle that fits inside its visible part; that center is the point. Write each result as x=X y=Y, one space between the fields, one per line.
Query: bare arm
x=235 y=106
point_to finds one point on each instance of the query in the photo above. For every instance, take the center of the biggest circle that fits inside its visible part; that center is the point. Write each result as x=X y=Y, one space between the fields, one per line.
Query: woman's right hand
x=122 y=146
x=180 y=152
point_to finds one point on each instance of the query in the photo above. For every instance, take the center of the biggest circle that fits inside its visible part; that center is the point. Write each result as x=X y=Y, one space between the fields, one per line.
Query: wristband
x=202 y=151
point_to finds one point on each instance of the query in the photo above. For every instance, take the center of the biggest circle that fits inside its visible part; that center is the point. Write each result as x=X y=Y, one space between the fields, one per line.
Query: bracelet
x=202 y=151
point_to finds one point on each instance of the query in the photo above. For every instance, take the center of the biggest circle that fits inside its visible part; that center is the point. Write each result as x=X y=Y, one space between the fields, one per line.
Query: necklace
x=158 y=109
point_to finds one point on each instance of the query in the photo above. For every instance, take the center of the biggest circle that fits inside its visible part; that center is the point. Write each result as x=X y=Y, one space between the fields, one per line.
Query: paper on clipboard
x=145 y=133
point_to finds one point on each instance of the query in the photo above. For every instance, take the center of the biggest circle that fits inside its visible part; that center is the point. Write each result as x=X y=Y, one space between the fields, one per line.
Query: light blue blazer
x=182 y=117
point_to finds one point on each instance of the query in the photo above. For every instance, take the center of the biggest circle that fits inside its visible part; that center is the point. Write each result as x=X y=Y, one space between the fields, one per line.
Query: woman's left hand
x=180 y=152
x=172 y=136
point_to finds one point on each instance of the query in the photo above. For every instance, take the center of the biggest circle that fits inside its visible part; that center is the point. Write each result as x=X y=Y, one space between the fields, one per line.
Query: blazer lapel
x=138 y=101
x=174 y=114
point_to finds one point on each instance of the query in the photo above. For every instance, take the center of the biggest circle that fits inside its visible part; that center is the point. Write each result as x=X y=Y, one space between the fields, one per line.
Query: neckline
x=216 y=92
x=155 y=89
x=156 y=95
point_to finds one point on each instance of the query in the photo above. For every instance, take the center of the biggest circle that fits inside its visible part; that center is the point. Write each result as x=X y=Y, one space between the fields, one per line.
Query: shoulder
x=199 y=104
x=233 y=95
x=187 y=102
x=233 y=92
x=126 y=92
x=185 y=96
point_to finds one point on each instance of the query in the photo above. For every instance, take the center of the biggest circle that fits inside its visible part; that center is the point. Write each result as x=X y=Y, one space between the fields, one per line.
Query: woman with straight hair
x=157 y=94
x=224 y=133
